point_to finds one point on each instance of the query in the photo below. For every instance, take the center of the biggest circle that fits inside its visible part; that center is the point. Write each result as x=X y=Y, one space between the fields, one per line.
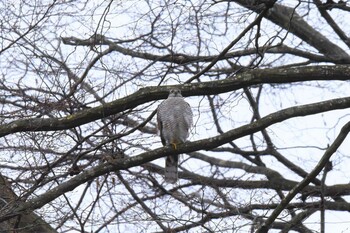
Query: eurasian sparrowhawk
x=175 y=118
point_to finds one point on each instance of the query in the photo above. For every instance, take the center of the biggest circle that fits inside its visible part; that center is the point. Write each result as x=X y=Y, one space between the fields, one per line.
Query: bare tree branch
x=325 y=158
x=145 y=95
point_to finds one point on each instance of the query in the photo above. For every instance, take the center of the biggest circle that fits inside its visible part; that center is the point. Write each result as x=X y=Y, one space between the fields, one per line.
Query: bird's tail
x=171 y=164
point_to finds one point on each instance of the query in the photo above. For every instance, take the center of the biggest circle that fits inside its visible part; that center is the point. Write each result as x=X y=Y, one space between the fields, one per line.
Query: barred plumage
x=175 y=118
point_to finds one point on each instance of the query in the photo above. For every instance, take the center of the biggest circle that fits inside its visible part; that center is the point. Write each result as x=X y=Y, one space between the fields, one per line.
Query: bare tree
x=80 y=84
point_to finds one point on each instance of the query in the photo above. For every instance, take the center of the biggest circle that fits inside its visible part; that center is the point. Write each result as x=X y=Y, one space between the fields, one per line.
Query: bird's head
x=174 y=92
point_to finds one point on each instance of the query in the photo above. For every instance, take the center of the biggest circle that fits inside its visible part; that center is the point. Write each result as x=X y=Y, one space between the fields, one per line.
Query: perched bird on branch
x=175 y=118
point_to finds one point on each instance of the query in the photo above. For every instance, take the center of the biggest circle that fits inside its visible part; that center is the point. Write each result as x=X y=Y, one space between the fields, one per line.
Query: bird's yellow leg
x=174 y=145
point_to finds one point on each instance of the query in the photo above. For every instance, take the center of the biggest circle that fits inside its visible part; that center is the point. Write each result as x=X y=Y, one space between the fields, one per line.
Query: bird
x=174 y=120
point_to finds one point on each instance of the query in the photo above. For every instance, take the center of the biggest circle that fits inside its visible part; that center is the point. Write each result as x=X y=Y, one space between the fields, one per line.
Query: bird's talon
x=174 y=145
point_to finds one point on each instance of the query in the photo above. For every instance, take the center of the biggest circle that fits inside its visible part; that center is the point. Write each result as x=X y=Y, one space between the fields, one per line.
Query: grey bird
x=174 y=118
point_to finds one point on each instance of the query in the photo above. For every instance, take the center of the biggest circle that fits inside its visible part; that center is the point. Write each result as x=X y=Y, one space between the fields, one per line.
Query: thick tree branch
x=27 y=222
x=288 y=19
x=144 y=95
x=205 y=144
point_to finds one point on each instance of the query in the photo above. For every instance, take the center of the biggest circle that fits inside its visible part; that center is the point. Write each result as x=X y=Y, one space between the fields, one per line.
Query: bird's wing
x=188 y=115
x=160 y=125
